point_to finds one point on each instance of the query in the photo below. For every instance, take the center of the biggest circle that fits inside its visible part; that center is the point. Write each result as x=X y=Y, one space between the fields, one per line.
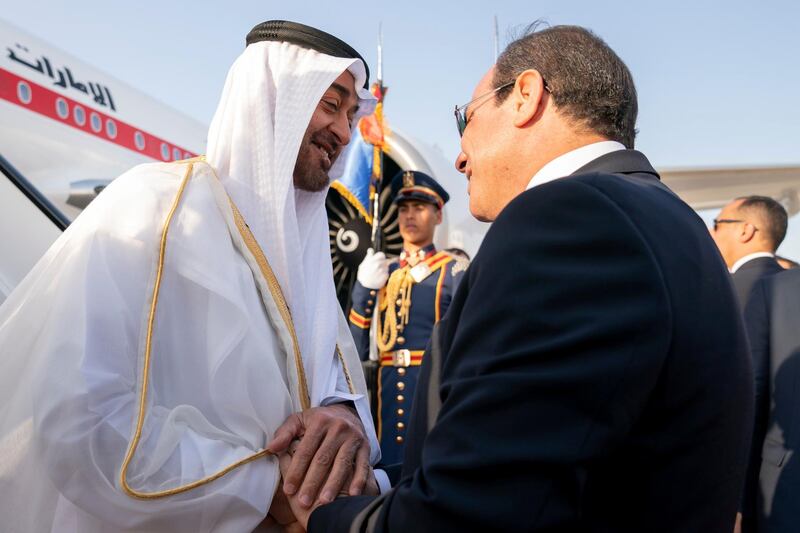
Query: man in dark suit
x=748 y=231
x=591 y=373
x=772 y=318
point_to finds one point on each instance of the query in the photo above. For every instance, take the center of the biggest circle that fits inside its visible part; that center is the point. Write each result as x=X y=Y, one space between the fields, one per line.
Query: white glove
x=373 y=272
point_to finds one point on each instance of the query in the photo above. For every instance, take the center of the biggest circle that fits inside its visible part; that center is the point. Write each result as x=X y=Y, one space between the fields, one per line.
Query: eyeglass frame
x=461 y=111
x=718 y=221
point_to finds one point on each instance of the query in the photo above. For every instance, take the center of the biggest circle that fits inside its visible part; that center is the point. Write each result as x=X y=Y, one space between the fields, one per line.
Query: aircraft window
x=164 y=152
x=176 y=154
x=24 y=92
x=138 y=139
x=79 y=115
x=111 y=128
x=62 y=108
x=97 y=124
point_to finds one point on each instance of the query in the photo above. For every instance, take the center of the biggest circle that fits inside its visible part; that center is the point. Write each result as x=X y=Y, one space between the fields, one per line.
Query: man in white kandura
x=149 y=359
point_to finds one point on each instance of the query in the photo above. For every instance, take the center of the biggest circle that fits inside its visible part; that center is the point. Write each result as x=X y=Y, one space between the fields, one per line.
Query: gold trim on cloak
x=277 y=295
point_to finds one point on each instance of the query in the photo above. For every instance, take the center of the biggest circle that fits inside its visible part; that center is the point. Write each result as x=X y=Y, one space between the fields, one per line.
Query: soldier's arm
x=360 y=317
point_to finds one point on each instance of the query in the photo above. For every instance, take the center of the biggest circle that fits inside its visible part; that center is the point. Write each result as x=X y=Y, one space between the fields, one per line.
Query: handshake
x=323 y=453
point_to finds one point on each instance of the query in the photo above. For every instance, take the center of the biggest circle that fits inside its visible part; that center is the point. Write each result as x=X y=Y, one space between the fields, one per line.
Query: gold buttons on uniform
x=401 y=385
x=400 y=398
x=401 y=426
x=370 y=302
x=401 y=340
x=372 y=293
x=401 y=371
x=399 y=302
x=400 y=412
x=399 y=439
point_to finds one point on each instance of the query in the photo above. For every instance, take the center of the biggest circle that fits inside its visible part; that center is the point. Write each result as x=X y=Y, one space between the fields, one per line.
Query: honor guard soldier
x=411 y=293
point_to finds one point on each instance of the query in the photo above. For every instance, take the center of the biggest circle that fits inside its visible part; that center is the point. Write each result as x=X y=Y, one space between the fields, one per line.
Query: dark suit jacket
x=772 y=318
x=591 y=374
x=749 y=273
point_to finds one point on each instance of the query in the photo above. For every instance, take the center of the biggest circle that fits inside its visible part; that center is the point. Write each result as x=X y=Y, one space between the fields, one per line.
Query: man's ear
x=439 y=215
x=748 y=233
x=528 y=97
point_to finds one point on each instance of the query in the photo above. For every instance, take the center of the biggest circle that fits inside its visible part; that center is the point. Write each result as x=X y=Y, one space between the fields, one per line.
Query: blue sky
x=717 y=81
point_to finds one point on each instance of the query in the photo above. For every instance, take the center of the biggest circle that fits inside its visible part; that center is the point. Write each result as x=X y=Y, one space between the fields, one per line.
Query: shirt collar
x=422 y=254
x=749 y=257
x=566 y=164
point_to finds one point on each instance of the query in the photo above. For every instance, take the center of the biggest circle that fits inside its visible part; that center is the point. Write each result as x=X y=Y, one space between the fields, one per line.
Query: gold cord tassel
x=399 y=287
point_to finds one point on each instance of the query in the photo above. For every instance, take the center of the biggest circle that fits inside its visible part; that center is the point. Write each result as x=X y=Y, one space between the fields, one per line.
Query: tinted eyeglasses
x=461 y=111
x=718 y=221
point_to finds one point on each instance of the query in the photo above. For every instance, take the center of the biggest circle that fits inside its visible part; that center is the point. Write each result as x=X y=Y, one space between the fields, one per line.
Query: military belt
x=402 y=358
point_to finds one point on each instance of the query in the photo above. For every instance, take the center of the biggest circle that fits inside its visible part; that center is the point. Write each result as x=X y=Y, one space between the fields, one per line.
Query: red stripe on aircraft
x=45 y=102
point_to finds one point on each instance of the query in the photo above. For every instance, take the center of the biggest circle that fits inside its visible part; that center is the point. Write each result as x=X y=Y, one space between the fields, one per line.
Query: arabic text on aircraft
x=62 y=77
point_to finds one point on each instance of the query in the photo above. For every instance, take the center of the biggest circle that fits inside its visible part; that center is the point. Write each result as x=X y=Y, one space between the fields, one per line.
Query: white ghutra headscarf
x=270 y=94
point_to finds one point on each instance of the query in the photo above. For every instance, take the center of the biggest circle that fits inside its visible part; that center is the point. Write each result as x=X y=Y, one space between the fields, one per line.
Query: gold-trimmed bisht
x=283 y=308
x=277 y=294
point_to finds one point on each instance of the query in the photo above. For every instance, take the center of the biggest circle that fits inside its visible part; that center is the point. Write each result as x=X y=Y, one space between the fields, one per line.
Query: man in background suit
x=772 y=318
x=591 y=373
x=748 y=231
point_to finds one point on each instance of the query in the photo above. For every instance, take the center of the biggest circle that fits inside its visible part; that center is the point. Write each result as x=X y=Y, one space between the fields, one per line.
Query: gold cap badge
x=408 y=179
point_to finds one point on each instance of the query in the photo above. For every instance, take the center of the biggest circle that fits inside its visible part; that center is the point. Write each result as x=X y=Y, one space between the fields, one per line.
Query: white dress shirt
x=746 y=259
x=566 y=164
